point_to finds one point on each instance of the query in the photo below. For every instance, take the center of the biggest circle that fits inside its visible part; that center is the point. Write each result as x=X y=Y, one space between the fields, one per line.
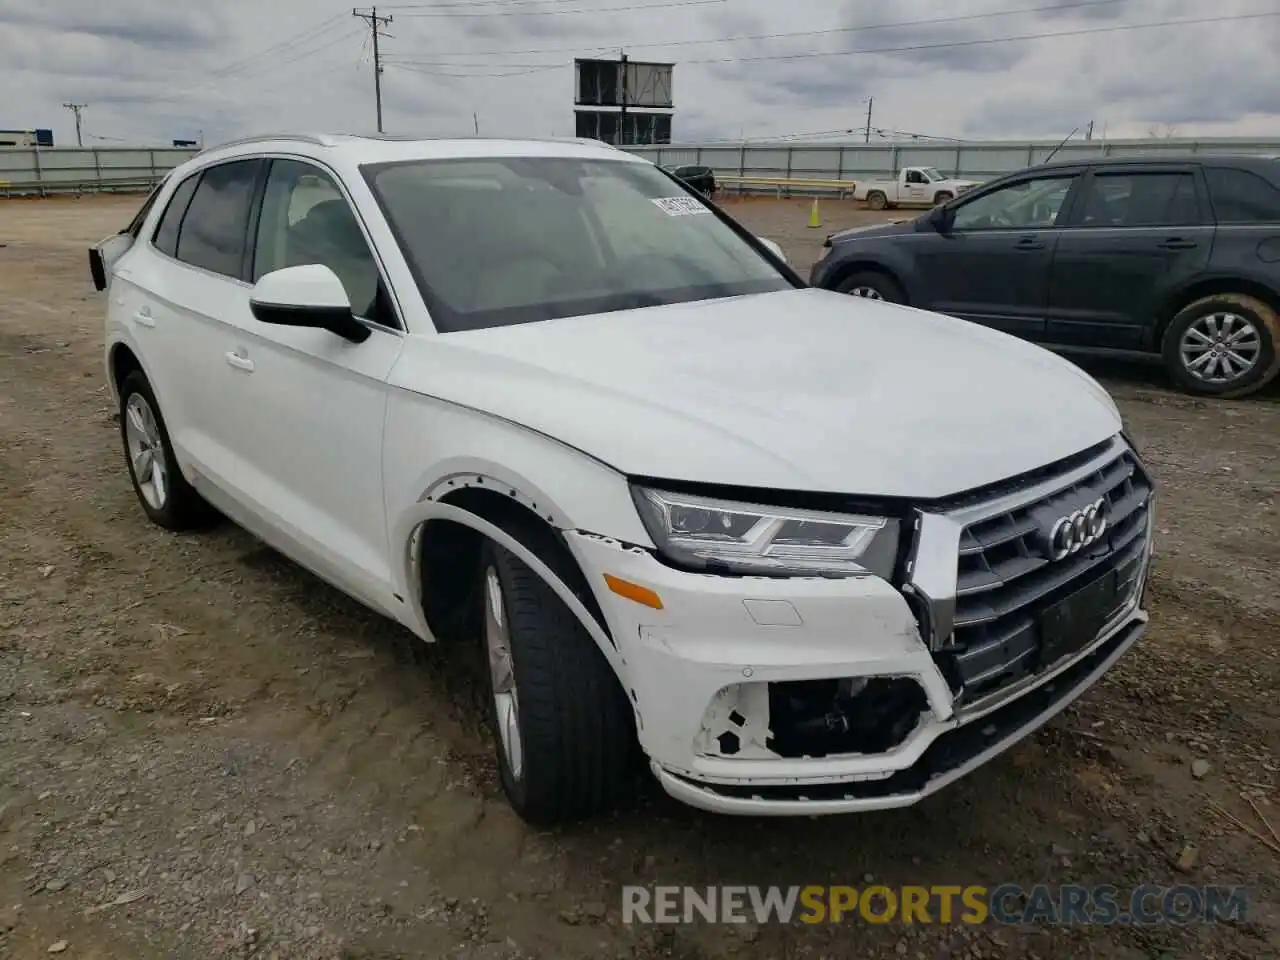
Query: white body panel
x=336 y=452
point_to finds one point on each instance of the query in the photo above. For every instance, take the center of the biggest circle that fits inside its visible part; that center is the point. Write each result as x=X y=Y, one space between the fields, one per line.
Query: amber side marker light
x=633 y=591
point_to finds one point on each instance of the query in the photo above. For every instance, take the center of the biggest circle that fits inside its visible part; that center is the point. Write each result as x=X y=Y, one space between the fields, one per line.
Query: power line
x=662 y=4
x=376 y=23
x=742 y=38
x=255 y=70
x=942 y=45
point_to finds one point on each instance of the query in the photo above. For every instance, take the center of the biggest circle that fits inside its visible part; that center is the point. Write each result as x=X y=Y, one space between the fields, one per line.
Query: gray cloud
x=152 y=70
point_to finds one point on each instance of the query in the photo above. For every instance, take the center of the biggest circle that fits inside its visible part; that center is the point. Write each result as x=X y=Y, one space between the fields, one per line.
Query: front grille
x=1007 y=580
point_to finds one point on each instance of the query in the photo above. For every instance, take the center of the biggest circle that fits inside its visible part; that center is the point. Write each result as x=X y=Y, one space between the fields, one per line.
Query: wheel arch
x=439 y=539
x=860 y=264
x=1184 y=296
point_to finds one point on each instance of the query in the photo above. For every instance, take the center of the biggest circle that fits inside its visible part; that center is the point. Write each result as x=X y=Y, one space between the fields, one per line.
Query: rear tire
x=876 y=200
x=166 y=497
x=563 y=729
x=1222 y=346
x=872 y=285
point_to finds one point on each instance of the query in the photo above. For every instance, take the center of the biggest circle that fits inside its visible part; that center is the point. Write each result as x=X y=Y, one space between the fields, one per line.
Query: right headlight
x=709 y=534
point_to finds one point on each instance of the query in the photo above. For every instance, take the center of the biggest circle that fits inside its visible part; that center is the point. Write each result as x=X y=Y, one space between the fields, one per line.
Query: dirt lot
x=204 y=752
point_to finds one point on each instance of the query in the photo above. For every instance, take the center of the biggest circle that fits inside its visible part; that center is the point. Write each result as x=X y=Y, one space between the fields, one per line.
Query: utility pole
x=866 y=136
x=375 y=22
x=76 y=108
x=1088 y=133
x=622 y=117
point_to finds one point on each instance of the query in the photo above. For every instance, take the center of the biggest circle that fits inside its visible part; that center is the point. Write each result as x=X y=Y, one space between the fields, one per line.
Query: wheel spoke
x=142 y=461
x=135 y=420
x=1201 y=361
x=159 y=481
x=1199 y=338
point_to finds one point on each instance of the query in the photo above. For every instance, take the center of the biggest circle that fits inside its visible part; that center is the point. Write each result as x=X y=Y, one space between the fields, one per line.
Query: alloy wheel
x=1220 y=347
x=506 y=699
x=146 y=451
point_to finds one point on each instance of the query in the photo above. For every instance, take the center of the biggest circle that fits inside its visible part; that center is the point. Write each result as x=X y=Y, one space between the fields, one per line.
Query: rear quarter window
x=1241 y=196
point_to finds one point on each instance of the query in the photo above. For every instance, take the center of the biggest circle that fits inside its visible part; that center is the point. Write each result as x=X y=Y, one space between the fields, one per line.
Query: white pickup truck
x=914 y=186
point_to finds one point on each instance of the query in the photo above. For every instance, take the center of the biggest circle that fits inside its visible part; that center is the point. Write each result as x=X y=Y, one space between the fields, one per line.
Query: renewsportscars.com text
x=1005 y=904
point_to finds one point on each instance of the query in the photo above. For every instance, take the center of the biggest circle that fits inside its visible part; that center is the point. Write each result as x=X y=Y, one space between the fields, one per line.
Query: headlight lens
x=710 y=534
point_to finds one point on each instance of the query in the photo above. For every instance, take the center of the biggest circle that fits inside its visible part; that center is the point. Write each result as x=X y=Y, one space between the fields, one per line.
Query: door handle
x=1028 y=243
x=1177 y=243
x=239 y=362
x=144 y=318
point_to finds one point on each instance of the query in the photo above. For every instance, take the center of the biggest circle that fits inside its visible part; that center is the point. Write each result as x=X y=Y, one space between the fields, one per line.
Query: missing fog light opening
x=812 y=718
x=819 y=718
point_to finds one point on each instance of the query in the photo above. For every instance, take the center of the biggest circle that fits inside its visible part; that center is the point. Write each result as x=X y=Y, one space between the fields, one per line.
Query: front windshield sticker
x=679 y=206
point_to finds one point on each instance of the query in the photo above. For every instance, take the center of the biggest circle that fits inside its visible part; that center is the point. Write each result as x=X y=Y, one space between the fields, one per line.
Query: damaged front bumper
x=807 y=696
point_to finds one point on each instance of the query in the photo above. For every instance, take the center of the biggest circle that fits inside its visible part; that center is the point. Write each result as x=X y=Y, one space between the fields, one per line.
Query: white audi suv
x=812 y=554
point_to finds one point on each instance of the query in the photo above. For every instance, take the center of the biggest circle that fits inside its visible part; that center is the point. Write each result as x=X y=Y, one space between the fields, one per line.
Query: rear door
x=991 y=265
x=198 y=291
x=1137 y=233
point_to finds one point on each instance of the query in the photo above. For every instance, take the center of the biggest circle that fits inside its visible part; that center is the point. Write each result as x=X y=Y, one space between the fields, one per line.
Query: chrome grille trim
x=979 y=578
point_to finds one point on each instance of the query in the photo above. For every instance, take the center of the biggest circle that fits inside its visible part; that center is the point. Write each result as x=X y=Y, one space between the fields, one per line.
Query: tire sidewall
x=166 y=516
x=890 y=291
x=877 y=200
x=1258 y=313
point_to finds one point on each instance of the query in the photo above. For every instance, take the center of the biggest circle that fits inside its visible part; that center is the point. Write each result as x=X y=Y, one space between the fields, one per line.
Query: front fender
x=567 y=488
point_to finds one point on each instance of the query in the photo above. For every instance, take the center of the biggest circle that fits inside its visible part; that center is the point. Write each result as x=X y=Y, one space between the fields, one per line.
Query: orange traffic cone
x=815 y=218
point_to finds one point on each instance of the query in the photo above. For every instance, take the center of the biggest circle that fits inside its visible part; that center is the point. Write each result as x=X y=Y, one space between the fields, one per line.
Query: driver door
x=992 y=263
x=311 y=404
x=915 y=188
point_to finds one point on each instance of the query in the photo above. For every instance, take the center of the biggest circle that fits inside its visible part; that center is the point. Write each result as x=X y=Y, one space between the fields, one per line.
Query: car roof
x=389 y=148
x=1245 y=160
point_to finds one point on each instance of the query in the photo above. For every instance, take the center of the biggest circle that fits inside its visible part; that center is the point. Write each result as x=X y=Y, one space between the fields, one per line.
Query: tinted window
x=166 y=238
x=1242 y=197
x=1019 y=206
x=135 y=225
x=306 y=219
x=512 y=240
x=213 y=231
x=1139 y=200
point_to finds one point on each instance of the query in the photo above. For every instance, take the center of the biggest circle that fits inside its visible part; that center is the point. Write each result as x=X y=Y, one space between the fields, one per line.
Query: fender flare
x=409 y=532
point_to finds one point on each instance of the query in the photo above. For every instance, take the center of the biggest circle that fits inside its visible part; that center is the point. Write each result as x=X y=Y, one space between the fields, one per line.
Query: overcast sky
x=155 y=70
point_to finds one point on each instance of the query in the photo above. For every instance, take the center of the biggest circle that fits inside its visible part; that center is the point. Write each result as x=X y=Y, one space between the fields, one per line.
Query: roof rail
x=319 y=139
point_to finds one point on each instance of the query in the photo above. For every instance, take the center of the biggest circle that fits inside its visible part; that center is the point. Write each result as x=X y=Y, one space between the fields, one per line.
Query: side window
x=1026 y=204
x=166 y=236
x=135 y=225
x=1139 y=200
x=915 y=176
x=213 y=231
x=1240 y=196
x=306 y=219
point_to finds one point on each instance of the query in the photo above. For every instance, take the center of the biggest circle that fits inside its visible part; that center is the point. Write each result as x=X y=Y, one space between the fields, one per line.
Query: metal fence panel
x=42 y=170
x=976 y=160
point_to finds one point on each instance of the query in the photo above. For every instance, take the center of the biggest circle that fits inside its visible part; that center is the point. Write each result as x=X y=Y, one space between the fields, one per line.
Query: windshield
x=505 y=240
x=933 y=175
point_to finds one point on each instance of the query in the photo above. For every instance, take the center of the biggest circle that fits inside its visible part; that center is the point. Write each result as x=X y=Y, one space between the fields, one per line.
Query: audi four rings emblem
x=1077 y=530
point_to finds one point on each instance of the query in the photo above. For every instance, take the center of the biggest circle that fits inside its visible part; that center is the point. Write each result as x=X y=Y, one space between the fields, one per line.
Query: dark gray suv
x=1173 y=257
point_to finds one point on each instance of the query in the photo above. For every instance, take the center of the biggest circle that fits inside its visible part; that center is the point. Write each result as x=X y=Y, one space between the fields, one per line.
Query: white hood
x=800 y=390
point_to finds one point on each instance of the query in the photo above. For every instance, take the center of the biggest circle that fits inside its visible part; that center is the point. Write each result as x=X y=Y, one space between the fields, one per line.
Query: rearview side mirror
x=940 y=218
x=773 y=248
x=306 y=296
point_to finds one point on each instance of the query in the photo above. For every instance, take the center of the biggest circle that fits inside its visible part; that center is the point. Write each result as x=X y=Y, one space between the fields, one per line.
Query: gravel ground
x=206 y=753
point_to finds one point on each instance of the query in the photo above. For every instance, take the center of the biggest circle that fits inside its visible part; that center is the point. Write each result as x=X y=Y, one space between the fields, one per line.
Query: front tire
x=563 y=728
x=1222 y=346
x=872 y=285
x=942 y=196
x=166 y=497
